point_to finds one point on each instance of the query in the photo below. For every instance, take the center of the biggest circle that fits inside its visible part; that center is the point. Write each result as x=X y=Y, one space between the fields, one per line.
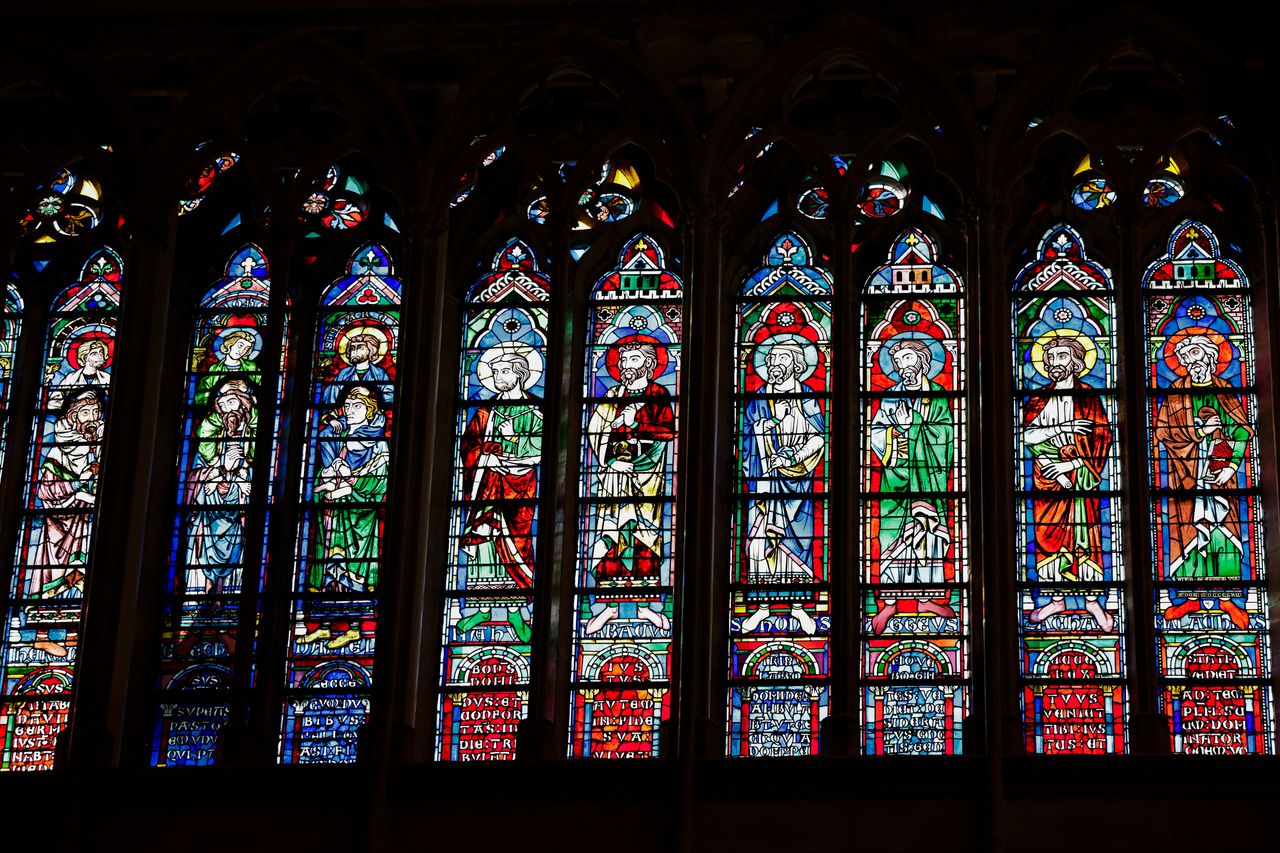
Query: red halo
x=611 y=356
x=73 y=348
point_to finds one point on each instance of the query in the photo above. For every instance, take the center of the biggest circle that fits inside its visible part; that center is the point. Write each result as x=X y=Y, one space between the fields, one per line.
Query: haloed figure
x=782 y=446
x=92 y=372
x=501 y=450
x=219 y=485
x=354 y=457
x=1206 y=434
x=1068 y=436
x=361 y=353
x=911 y=436
x=234 y=357
x=630 y=439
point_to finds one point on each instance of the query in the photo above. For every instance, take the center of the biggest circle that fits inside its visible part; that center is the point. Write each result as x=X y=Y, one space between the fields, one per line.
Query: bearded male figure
x=782 y=446
x=92 y=372
x=1068 y=436
x=219 y=484
x=67 y=488
x=501 y=451
x=911 y=437
x=1205 y=433
x=361 y=352
x=629 y=441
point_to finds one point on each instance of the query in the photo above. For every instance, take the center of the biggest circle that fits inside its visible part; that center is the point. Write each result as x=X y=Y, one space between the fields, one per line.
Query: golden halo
x=384 y=343
x=1037 y=349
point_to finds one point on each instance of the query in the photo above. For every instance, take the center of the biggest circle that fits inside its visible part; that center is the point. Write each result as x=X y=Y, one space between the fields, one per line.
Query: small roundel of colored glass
x=1162 y=192
x=539 y=210
x=1093 y=194
x=316 y=203
x=606 y=207
x=882 y=199
x=813 y=203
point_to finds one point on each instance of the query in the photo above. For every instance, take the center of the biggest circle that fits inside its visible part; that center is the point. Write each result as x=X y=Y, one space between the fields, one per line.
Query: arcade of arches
x=860 y=422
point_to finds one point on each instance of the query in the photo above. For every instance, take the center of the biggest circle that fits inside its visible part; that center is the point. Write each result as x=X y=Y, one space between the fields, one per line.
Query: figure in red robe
x=1068 y=437
x=501 y=450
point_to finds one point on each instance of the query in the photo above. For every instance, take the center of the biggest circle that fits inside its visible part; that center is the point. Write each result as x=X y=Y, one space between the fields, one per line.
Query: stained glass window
x=10 y=333
x=1070 y=574
x=217 y=558
x=625 y=602
x=338 y=560
x=780 y=619
x=914 y=513
x=56 y=530
x=493 y=529
x=1212 y=652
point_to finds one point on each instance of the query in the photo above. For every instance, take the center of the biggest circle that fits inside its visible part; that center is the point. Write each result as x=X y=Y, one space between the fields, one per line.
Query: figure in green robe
x=911 y=438
x=352 y=482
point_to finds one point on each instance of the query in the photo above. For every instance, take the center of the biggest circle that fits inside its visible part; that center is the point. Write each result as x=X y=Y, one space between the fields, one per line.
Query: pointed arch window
x=217 y=561
x=1212 y=644
x=45 y=603
x=1070 y=572
x=493 y=564
x=914 y=509
x=780 y=616
x=625 y=596
x=349 y=425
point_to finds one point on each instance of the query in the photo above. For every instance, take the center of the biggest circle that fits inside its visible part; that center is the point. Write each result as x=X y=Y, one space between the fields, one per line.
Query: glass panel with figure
x=493 y=528
x=1067 y=461
x=1212 y=649
x=780 y=618
x=914 y=510
x=347 y=459
x=627 y=536
x=57 y=524
x=229 y=423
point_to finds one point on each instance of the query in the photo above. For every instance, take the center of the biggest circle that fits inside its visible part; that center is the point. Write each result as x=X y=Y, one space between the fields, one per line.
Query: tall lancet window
x=493 y=528
x=625 y=602
x=57 y=526
x=1070 y=573
x=347 y=457
x=217 y=557
x=1213 y=656
x=914 y=510
x=780 y=617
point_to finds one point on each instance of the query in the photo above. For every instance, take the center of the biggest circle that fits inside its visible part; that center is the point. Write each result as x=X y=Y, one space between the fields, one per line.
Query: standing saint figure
x=234 y=351
x=361 y=353
x=782 y=445
x=911 y=437
x=1205 y=432
x=630 y=441
x=354 y=455
x=501 y=450
x=1068 y=437
x=68 y=480
x=219 y=484
x=92 y=372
